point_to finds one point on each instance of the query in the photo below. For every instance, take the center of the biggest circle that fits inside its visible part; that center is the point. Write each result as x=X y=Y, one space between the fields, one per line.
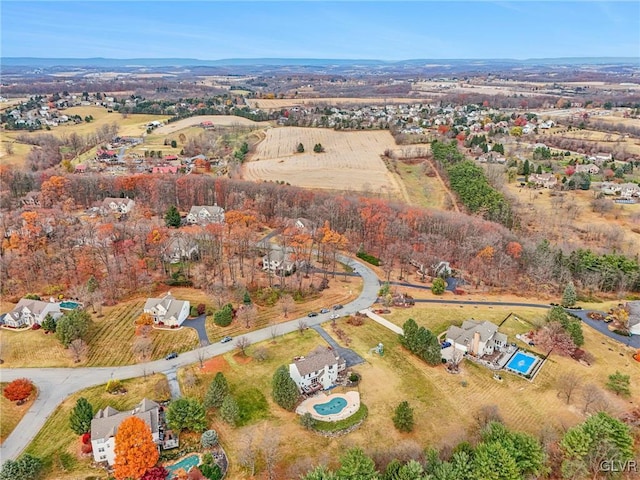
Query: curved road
x=56 y=384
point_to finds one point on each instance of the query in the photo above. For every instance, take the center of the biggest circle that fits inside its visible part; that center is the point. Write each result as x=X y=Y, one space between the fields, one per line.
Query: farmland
x=351 y=160
x=277 y=103
x=217 y=120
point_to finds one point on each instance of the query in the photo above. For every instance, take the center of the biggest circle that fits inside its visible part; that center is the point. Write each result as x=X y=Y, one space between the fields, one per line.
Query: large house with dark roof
x=317 y=371
x=167 y=310
x=205 y=214
x=104 y=427
x=634 y=317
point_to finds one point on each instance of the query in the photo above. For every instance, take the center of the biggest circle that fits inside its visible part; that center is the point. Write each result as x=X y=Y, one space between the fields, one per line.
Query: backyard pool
x=69 y=305
x=522 y=363
x=333 y=406
x=186 y=463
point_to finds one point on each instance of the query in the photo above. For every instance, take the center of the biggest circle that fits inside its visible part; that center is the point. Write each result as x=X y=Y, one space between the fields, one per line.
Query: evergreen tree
x=81 y=416
x=438 y=286
x=224 y=316
x=539 y=169
x=229 y=411
x=172 y=217
x=403 y=417
x=619 y=383
x=209 y=439
x=217 y=392
x=300 y=148
x=284 y=389
x=493 y=461
x=320 y=473
x=92 y=284
x=246 y=298
x=72 y=326
x=356 y=465
x=526 y=168
x=569 y=296
x=49 y=324
x=186 y=414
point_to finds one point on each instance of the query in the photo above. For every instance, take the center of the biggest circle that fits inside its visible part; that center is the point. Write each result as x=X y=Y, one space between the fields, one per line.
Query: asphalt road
x=56 y=384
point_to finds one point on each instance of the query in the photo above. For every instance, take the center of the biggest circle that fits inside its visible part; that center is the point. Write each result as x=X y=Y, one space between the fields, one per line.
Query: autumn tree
x=242 y=343
x=135 y=450
x=18 y=390
x=81 y=416
x=142 y=347
x=155 y=473
x=286 y=303
x=567 y=384
x=553 y=338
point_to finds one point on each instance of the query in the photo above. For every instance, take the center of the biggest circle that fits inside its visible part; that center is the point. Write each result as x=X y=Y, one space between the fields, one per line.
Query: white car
x=334 y=316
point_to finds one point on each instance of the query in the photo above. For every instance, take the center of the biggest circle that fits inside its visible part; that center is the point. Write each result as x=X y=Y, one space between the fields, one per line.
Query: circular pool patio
x=330 y=408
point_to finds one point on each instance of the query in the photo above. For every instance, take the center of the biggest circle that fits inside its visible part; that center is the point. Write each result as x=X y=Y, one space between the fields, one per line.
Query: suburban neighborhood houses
x=205 y=214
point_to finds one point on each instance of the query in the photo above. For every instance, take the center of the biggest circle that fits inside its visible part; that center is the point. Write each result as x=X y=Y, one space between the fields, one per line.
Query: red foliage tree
x=553 y=338
x=18 y=390
x=155 y=473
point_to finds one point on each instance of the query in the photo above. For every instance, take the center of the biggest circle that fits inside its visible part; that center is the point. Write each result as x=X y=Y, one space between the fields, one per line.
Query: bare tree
x=249 y=315
x=302 y=325
x=190 y=380
x=78 y=349
x=567 y=385
x=202 y=354
x=270 y=450
x=592 y=397
x=261 y=354
x=487 y=414
x=161 y=389
x=273 y=330
x=286 y=304
x=242 y=343
x=248 y=452
x=142 y=347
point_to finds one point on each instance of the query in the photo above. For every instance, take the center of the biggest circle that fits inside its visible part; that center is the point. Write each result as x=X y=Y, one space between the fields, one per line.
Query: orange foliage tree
x=18 y=390
x=135 y=450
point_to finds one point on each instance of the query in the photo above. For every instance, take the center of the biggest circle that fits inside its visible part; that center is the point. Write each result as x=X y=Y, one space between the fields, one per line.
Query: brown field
x=351 y=160
x=611 y=140
x=544 y=214
x=439 y=399
x=222 y=120
x=277 y=103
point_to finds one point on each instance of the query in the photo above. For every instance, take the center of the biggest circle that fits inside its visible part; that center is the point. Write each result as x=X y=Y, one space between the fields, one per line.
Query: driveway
x=633 y=341
x=350 y=357
x=198 y=324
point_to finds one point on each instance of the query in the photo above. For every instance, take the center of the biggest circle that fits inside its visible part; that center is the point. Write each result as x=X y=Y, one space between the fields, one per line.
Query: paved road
x=56 y=384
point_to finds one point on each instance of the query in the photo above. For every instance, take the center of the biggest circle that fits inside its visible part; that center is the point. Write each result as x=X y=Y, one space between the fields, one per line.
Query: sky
x=383 y=30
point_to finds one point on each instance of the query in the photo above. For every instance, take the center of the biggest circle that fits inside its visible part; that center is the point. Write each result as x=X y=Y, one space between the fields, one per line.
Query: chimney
x=475 y=346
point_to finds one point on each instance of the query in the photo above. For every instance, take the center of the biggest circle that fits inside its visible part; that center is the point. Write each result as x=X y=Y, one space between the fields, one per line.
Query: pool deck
x=353 y=405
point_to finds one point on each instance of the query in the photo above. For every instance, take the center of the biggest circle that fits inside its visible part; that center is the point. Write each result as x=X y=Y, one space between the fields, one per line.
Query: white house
x=474 y=337
x=204 y=214
x=634 y=317
x=181 y=248
x=546 y=180
x=106 y=422
x=29 y=312
x=116 y=205
x=167 y=310
x=591 y=168
x=278 y=262
x=629 y=190
x=318 y=370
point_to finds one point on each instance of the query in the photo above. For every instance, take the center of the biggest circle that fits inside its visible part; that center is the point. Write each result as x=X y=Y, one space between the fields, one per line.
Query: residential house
x=628 y=190
x=104 y=427
x=546 y=180
x=116 y=205
x=30 y=312
x=610 y=188
x=164 y=169
x=591 y=168
x=278 y=262
x=167 y=310
x=474 y=337
x=181 y=248
x=634 y=317
x=31 y=199
x=317 y=371
x=205 y=214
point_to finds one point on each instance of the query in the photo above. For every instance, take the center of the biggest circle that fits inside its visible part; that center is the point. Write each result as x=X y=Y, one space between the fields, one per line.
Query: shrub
x=438 y=286
x=224 y=316
x=368 y=258
x=86 y=448
x=193 y=311
x=18 y=390
x=307 y=421
x=209 y=439
x=114 y=386
x=27 y=467
x=354 y=377
x=201 y=309
x=403 y=417
x=86 y=438
x=35 y=326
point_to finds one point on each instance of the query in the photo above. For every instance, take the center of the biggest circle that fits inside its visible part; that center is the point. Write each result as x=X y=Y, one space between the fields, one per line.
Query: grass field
x=59 y=447
x=351 y=160
x=423 y=190
x=445 y=405
x=12 y=413
x=608 y=139
x=277 y=103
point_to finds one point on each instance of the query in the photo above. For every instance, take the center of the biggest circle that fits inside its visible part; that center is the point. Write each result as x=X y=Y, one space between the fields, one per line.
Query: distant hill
x=310 y=62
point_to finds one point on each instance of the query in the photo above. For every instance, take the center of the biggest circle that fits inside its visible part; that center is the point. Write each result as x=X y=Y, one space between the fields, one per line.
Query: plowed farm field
x=351 y=160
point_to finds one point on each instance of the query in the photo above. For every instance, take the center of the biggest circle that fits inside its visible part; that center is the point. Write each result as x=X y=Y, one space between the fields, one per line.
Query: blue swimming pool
x=522 y=363
x=186 y=463
x=333 y=406
x=69 y=305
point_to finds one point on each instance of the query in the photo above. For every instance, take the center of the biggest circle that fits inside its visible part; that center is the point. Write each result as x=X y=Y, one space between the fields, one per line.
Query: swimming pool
x=186 y=463
x=333 y=406
x=522 y=363
x=69 y=305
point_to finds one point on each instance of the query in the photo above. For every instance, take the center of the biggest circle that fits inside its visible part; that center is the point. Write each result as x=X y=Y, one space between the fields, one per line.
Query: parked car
x=171 y=356
x=226 y=339
x=337 y=307
x=312 y=314
x=334 y=316
x=324 y=310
